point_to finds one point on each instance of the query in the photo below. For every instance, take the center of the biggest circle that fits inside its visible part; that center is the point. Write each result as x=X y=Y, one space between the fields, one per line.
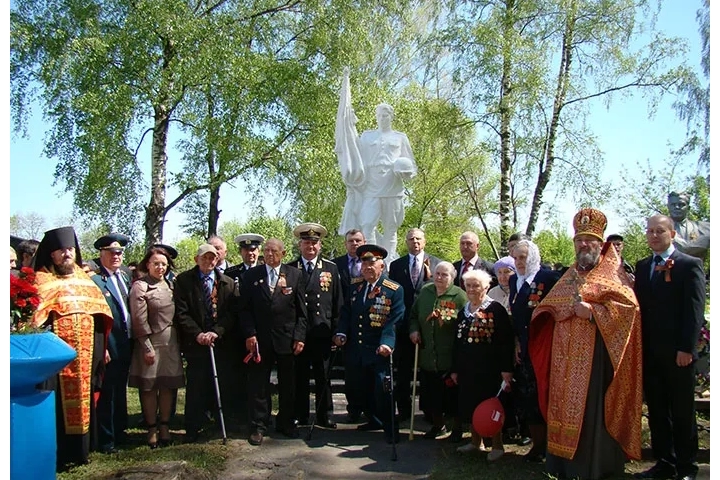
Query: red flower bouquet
x=24 y=300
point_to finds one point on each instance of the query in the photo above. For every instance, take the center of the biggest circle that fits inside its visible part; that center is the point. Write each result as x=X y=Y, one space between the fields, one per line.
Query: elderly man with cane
x=204 y=301
x=367 y=331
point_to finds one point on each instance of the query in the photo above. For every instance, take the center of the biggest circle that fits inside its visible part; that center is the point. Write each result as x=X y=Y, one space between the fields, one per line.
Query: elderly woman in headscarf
x=433 y=325
x=483 y=355
x=503 y=268
x=528 y=287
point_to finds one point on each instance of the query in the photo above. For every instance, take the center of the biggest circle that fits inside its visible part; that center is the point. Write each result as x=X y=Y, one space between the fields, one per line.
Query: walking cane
x=331 y=363
x=217 y=394
x=412 y=405
x=392 y=410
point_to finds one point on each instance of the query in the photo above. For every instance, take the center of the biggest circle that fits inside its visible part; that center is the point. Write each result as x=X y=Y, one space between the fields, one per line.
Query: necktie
x=309 y=268
x=657 y=260
x=207 y=291
x=464 y=270
x=415 y=271
x=273 y=278
x=122 y=289
x=121 y=285
x=354 y=268
x=367 y=291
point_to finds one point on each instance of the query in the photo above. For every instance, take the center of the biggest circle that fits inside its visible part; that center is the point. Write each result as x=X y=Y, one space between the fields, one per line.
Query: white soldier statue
x=373 y=167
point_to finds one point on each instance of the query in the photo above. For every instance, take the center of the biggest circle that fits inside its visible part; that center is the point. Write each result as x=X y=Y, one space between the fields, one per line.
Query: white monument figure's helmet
x=404 y=167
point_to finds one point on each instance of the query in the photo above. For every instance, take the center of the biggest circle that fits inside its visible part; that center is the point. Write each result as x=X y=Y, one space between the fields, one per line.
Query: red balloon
x=488 y=417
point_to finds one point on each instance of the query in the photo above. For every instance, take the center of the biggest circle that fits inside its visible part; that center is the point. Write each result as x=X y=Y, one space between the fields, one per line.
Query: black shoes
x=534 y=455
x=255 y=438
x=191 y=436
x=435 y=432
x=326 y=423
x=369 y=426
x=660 y=470
x=456 y=436
x=290 y=431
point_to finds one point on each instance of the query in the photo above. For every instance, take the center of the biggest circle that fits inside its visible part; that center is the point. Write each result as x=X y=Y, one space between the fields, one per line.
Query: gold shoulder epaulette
x=390 y=284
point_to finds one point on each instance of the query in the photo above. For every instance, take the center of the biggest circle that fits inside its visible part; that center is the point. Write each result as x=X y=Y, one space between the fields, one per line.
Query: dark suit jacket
x=323 y=297
x=191 y=313
x=400 y=272
x=276 y=319
x=521 y=312
x=346 y=281
x=481 y=264
x=119 y=343
x=371 y=323
x=672 y=312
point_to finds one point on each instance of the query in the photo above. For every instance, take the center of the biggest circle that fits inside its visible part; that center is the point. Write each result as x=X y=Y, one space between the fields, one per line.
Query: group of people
x=570 y=353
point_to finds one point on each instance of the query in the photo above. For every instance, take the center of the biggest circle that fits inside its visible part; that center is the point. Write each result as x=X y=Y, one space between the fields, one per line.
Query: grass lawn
x=205 y=460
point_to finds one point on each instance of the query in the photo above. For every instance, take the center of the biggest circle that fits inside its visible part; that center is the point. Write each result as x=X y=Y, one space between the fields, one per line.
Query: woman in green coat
x=433 y=325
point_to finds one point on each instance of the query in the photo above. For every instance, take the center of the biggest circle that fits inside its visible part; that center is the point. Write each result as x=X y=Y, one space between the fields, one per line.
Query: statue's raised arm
x=347 y=149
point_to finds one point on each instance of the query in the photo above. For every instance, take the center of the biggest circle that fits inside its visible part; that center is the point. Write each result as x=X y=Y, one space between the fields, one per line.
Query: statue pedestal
x=33 y=442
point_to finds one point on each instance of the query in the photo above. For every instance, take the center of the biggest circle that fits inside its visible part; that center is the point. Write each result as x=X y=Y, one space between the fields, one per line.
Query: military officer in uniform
x=323 y=299
x=249 y=244
x=114 y=282
x=367 y=330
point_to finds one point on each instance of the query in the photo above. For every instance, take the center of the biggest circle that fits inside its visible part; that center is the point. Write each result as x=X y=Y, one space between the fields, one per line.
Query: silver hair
x=532 y=265
x=480 y=275
x=449 y=267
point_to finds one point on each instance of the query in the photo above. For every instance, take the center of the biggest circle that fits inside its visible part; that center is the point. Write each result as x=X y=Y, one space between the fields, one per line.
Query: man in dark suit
x=323 y=299
x=469 y=244
x=670 y=287
x=367 y=330
x=204 y=314
x=249 y=245
x=115 y=286
x=350 y=275
x=411 y=271
x=273 y=319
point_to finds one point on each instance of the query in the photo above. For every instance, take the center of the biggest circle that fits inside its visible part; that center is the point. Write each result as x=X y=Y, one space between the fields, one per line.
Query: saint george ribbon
x=616 y=316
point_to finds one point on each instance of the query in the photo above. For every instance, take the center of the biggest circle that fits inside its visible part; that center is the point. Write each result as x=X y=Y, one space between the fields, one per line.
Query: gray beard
x=586 y=260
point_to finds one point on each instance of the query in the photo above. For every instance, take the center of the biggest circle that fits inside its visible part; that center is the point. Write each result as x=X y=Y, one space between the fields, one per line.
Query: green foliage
x=555 y=247
x=260 y=223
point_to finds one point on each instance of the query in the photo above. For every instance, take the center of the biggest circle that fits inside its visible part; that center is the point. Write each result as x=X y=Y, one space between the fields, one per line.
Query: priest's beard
x=65 y=268
x=587 y=260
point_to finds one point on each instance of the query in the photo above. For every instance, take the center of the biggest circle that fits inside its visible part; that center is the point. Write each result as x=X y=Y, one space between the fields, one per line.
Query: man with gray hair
x=469 y=244
x=411 y=271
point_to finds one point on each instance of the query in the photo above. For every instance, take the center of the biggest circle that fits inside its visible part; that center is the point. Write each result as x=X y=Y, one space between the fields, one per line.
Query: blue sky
x=625 y=135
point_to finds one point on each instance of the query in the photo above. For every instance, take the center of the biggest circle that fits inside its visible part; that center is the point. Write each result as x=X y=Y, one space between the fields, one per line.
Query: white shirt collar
x=666 y=254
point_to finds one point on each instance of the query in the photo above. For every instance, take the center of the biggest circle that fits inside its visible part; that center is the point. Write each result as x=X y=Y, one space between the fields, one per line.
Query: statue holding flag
x=373 y=167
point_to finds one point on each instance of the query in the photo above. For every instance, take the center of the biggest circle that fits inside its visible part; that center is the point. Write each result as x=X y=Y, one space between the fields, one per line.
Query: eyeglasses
x=159 y=264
